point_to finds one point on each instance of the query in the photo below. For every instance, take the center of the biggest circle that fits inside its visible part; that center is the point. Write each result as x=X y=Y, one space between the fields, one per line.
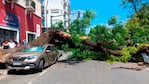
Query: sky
x=104 y=9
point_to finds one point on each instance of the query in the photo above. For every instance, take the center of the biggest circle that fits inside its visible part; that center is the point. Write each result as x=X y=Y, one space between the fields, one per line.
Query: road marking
x=29 y=83
x=42 y=73
x=2 y=77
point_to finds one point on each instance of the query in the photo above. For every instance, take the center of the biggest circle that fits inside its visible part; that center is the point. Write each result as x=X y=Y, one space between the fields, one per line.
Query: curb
x=2 y=77
x=3 y=72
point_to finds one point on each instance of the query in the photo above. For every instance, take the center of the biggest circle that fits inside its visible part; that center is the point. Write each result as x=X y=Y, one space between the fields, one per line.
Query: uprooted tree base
x=143 y=49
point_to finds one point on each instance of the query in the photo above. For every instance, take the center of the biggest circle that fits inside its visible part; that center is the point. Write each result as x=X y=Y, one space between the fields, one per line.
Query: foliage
x=79 y=25
x=83 y=53
x=65 y=47
x=134 y=5
x=113 y=20
x=58 y=25
x=138 y=25
x=100 y=33
x=76 y=38
x=126 y=55
x=117 y=35
x=136 y=30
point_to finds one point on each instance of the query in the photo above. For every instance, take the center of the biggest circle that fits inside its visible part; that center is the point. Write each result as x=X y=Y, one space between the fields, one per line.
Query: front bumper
x=27 y=66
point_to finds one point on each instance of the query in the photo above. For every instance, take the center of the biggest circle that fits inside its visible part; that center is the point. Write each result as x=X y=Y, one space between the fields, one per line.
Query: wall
x=27 y=22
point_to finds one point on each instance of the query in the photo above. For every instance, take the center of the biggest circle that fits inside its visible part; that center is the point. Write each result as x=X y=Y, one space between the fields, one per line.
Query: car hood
x=25 y=54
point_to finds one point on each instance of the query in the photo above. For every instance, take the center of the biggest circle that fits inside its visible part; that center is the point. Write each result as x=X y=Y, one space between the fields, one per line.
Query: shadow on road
x=70 y=62
x=22 y=72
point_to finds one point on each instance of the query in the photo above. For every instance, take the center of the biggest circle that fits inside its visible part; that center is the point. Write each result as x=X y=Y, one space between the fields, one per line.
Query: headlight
x=31 y=58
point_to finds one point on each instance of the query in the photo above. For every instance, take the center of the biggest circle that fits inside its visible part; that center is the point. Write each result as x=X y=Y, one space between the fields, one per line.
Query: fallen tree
x=58 y=38
x=99 y=47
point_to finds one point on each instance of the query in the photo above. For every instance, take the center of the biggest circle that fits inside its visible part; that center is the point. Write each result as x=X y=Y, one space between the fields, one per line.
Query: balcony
x=65 y=4
x=30 y=5
x=12 y=2
x=65 y=12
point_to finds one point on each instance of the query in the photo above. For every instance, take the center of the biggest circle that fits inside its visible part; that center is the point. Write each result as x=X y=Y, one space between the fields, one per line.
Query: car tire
x=41 y=65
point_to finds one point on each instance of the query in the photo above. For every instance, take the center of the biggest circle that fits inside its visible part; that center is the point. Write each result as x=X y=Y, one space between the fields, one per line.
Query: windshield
x=34 y=49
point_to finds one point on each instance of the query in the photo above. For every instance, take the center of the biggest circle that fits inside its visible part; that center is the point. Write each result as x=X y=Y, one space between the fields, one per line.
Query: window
x=50 y=48
x=55 y=11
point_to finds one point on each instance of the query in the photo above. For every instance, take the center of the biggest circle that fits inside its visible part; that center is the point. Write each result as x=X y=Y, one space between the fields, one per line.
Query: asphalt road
x=90 y=72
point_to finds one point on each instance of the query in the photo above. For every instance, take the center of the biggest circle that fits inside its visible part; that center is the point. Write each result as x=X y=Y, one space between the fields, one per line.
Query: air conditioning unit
x=30 y=5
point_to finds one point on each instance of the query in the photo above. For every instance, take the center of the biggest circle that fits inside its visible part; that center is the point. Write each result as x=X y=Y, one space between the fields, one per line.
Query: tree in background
x=58 y=25
x=80 y=24
x=113 y=20
x=138 y=25
x=134 y=5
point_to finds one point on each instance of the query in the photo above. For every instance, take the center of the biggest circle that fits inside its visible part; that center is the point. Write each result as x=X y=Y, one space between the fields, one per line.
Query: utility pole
x=51 y=21
x=79 y=14
x=46 y=10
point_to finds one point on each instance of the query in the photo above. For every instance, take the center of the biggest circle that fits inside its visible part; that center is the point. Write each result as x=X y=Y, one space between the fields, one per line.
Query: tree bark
x=100 y=47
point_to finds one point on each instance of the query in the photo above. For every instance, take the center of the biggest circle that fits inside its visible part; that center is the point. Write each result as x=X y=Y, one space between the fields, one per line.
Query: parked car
x=34 y=58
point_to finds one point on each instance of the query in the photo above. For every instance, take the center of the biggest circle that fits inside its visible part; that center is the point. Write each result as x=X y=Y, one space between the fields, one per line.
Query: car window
x=50 y=48
x=34 y=49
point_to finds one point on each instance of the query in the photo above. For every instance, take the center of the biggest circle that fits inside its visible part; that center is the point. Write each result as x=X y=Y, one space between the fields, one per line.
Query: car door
x=51 y=54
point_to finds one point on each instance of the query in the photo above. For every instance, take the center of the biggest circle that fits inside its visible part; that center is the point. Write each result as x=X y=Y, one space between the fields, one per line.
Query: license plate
x=17 y=63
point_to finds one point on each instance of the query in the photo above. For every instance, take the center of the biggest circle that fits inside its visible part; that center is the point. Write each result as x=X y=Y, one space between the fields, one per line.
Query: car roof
x=48 y=45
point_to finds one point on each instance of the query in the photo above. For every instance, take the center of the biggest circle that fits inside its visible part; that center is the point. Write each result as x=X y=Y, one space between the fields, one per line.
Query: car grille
x=18 y=58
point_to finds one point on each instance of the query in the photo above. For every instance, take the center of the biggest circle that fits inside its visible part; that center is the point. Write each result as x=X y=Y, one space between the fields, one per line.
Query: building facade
x=54 y=11
x=20 y=20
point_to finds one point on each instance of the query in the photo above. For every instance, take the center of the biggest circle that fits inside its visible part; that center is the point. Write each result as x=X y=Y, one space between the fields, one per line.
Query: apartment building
x=20 y=19
x=54 y=11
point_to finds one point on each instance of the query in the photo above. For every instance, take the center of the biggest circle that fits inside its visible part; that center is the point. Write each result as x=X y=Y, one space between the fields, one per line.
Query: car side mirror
x=47 y=51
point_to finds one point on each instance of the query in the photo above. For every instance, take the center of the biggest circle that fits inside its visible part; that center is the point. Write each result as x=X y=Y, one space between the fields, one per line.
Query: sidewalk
x=3 y=73
x=3 y=69
x=64 y=56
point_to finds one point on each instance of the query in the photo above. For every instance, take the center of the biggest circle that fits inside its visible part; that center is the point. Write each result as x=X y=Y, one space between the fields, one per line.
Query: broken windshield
x=34 y=49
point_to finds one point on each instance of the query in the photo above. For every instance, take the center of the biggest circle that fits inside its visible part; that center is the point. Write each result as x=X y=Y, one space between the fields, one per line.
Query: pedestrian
x=11 y=44
x=15 y=41
x=5 y=45
x=25 y=42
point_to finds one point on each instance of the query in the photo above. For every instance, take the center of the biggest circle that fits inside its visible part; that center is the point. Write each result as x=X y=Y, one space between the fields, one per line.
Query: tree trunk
x=100 y=47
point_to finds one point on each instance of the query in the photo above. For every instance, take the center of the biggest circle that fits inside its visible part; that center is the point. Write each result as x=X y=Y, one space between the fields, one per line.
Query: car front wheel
x=41 y=65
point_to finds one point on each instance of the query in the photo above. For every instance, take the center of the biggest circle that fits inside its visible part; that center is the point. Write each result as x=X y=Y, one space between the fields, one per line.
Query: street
x=90 y=72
